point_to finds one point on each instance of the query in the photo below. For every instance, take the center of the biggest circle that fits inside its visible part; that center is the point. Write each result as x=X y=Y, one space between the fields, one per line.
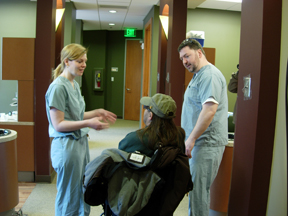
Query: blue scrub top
x=69 y=100
x=209 y=82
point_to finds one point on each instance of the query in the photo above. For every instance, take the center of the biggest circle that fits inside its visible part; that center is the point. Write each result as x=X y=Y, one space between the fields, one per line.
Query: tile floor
x=38 y=199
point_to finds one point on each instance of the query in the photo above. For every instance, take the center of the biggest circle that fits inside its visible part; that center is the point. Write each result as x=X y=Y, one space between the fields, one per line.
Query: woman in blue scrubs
x=69 y=125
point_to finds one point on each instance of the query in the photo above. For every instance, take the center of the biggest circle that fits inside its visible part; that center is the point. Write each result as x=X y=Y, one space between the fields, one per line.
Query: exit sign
x=130 y=33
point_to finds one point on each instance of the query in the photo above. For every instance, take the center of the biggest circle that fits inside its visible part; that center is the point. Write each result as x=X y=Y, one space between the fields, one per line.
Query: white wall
x=277 y=200
x=17 y=19
x=222 y=32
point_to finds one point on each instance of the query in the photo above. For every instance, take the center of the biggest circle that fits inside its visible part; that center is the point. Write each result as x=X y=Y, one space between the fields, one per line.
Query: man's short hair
x=192 y=43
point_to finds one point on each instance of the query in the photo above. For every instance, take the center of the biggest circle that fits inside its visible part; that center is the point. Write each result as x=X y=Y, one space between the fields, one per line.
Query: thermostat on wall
x=114 y=69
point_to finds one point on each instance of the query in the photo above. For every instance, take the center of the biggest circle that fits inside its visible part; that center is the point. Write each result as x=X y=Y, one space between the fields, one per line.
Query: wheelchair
x=134 y=184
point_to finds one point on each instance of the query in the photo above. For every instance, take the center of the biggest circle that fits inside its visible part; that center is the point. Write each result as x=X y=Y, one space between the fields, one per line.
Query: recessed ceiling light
x=111 y=24
x=112 y=11
x=235 y=1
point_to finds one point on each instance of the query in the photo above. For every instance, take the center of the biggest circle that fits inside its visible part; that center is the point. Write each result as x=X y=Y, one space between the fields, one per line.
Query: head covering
x=161 y=105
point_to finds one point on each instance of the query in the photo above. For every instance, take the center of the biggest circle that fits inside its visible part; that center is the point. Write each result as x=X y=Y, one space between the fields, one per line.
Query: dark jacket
x=169 y=180
x=113 y=175
x=173 y=167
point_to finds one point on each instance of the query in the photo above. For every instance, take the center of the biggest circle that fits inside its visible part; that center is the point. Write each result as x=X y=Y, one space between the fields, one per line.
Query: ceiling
x=131 y=13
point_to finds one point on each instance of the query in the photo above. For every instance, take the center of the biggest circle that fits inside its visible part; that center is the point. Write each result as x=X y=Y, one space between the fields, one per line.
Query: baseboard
x=45 y=178
x=8 y=213
x=26 y=176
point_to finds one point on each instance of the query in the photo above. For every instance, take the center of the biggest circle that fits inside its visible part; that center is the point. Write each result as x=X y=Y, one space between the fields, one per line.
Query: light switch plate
x=247 y=87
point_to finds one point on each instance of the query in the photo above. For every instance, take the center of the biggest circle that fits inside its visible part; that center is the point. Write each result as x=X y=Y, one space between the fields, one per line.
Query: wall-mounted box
x=17 y=59
x=98 y=80
x=114 y=69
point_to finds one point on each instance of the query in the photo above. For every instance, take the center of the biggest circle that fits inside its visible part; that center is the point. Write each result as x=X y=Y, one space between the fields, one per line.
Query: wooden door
x=133 y=80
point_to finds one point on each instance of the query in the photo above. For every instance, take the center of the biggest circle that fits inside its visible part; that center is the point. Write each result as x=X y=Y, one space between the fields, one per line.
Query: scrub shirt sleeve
x=210 y=86
x=57 y=97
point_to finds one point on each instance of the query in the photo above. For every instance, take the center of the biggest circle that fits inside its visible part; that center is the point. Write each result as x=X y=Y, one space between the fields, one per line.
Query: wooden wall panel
x=168 y=60
x=25 y=101
x=18 y=58
x=44 y=62
x=255 y=125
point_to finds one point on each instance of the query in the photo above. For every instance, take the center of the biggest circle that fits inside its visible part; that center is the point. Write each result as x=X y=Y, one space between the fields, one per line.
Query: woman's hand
x=107 y=116
x=97 y=124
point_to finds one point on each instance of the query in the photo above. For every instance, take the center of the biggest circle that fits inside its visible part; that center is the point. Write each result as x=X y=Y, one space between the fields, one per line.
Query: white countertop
x=14 y=122
x=9 y=137
x=230 y=143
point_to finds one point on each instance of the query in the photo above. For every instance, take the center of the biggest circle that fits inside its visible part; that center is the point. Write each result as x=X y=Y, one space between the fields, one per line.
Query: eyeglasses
x=190 y=40
x=147 y=108
x=192 y=43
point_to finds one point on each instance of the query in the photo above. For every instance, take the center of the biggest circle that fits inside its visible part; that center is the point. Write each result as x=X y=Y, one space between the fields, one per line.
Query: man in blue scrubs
x=204 y=119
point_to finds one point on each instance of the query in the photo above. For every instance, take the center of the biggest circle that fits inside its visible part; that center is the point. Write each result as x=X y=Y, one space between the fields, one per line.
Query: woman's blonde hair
x=71 y=52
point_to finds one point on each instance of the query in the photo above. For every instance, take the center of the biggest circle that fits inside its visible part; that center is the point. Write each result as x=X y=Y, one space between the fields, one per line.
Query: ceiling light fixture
x=59 y=14
x=111 y=24
x=112 y=11
x=165 y=24
x=235 y=1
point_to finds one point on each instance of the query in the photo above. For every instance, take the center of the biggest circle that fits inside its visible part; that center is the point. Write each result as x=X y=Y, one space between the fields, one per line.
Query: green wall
x=106 y=49
x=70 y=23
x=95 y=41
x=79 y=32
x=222 y=31
x=154 y=15
x=17 y=19
x=72 y=29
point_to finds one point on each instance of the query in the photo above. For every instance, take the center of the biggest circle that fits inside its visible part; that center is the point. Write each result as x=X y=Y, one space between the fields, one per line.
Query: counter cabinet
x=25 y=148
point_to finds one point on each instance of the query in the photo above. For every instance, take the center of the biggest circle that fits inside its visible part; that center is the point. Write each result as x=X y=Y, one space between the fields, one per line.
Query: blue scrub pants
x=69 y=158
x=204 y=166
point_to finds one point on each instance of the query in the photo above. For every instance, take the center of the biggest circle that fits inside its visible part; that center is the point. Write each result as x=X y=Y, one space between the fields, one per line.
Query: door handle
x=128 y=89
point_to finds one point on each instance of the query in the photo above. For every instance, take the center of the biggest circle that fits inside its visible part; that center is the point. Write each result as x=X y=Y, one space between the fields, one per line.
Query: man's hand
x=189 y=146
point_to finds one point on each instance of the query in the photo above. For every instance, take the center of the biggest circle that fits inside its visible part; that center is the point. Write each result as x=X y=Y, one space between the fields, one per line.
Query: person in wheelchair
x=161 y=132
x=153 y=185
x=160 y=127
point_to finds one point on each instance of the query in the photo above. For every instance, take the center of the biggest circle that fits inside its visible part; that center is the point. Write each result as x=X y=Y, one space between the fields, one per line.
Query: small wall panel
x=18 y=58
x=26 y=101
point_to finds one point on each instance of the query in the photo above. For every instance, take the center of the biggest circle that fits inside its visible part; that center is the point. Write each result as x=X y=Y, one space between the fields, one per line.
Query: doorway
x=132 y=80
